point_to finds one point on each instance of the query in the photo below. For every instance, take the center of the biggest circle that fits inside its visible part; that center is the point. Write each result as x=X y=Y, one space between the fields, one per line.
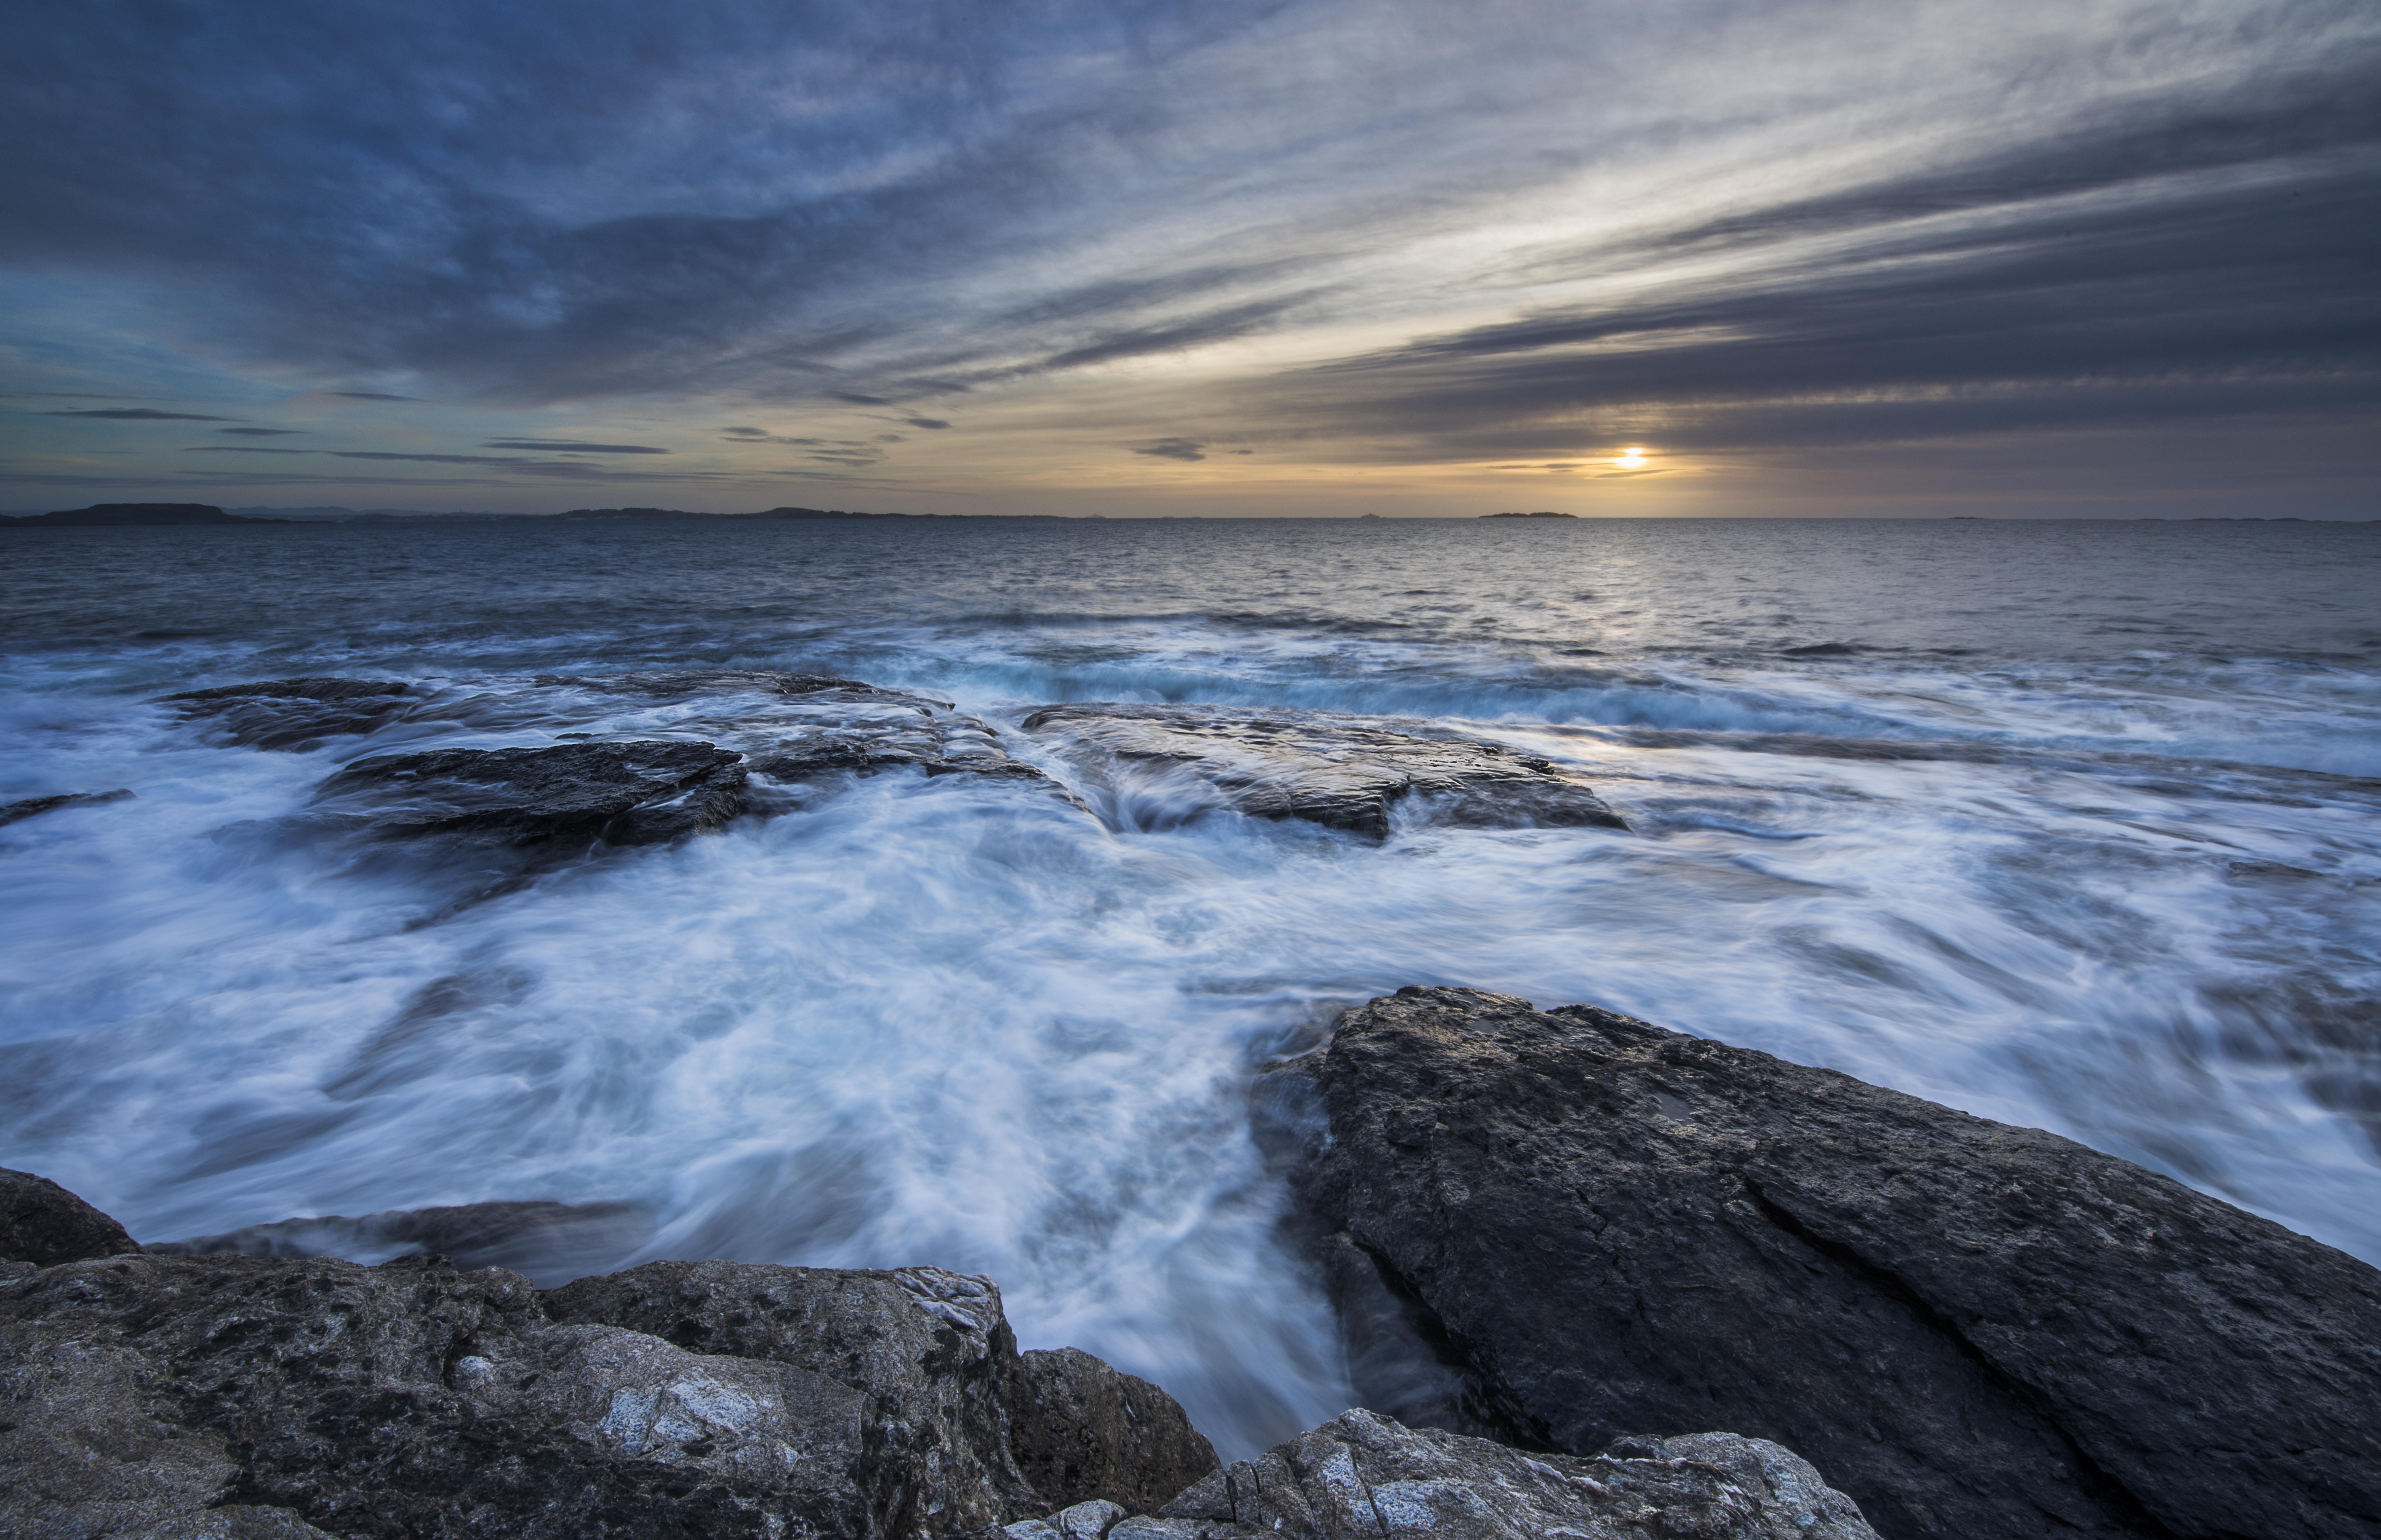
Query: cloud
x=574 y=447
x=262 y=433
x=140 y=414
x=1390 y=232
x=430 y=459
x=243 y=449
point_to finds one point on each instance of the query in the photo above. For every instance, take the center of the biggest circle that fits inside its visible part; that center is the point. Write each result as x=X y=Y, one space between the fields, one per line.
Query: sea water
x=2059 y=823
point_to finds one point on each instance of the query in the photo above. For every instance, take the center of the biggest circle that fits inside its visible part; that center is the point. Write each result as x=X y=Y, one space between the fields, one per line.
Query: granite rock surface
x=1973 y=1329
x=240 y=1395
x=1364 y=1477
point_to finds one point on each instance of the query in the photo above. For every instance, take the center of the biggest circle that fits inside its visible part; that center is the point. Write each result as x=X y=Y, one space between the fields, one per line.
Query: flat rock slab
x=31 y=807
x=629 y=759
x=1340 y=771
x=1974 y=1330
x=1362 y=1477
x=623 y=793
x=292 y=715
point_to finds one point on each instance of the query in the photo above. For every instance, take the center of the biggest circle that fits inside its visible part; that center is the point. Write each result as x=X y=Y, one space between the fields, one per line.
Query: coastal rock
x=1081 y=1431
x=1973 y=1329
x=295 y=714
x=1362 y=1476
x=242 y=1395
x=643 y=793
x=1334 y=771
x=665 y=755
x=43 y=1224
x=31 y=806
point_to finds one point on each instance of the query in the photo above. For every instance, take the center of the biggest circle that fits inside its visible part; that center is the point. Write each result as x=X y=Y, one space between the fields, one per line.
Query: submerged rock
x=1344 y=774
x=296 y=714
x=522 y=1235
x=644 y=793
x=667 y=754
x=31 y=806
x=1974 y=1330
x=234 y=1395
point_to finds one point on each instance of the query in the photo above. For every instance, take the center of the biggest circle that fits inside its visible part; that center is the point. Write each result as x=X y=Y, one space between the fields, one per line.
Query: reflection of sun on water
x=1630 y=459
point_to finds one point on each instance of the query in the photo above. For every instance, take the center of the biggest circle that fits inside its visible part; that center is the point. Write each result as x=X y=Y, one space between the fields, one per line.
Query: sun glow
x=1630 y=459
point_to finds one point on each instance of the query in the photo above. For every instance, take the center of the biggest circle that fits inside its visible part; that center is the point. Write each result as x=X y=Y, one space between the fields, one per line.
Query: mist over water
x=2057 y=823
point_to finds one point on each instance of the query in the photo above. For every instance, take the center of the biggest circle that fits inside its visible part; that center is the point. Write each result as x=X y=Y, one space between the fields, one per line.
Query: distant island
x=113 y=515
x=1529 y=516
x=117 y=514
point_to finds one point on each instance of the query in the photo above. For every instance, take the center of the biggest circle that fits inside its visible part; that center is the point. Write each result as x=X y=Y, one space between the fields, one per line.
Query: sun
x=1630 y=459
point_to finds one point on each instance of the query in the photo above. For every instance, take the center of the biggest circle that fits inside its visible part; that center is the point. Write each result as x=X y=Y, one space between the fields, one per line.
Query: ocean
x=2066 y=824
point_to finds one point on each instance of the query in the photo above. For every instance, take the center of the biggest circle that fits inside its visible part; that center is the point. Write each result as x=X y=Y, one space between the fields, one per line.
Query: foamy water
x=2050 y=823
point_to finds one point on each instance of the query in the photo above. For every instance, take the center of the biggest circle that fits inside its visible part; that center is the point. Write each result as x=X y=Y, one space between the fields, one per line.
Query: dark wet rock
x=536 y=1238
x=44 y=1224
x=406 y=1400
x=1362 y=1477
x=639 y=793
x=1974 y=1330
x=1004 y=1434
x=296 y=714
x=1083 y=1432
x=1335 y=771
x=238 y=1395
x=931 y=1348
x=33 y=806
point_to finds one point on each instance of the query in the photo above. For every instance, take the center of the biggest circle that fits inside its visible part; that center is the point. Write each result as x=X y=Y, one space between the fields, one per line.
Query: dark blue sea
x=2067 y=823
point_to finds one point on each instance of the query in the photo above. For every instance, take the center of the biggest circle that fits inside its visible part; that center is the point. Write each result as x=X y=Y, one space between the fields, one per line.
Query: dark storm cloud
x=925 y=421
x=140 y=414
x=566 y=445
x=1173 y=448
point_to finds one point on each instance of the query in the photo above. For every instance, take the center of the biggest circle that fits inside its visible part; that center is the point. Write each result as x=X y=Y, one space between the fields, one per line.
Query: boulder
x=11 y=811
x=1973 y=1329
x=641 y=793
x=43 y=1224
x=1083 y=1431
x=295 y=714
x=1343 y=772
x=229 y=1394
x=1362 y=1477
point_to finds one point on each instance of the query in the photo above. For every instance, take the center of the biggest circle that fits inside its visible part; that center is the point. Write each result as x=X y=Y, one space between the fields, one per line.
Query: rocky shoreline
x=1603 y=1237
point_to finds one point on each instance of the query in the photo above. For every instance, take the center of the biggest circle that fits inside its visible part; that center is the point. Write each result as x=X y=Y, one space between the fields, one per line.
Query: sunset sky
x=1224 y=258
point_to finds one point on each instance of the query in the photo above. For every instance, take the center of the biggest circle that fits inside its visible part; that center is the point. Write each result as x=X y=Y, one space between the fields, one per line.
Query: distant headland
x=1529 y=516
x=115 y=514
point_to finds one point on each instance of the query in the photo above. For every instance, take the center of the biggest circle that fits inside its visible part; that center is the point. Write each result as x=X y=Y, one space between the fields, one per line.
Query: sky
x=1250 y=258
